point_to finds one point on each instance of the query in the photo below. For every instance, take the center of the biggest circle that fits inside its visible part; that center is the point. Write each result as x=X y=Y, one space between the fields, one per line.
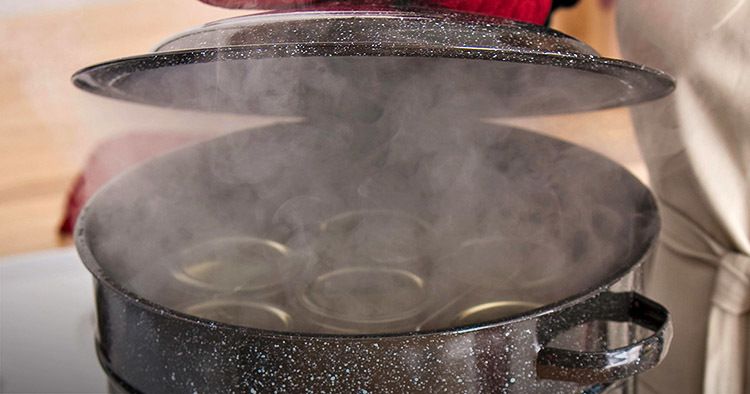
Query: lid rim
x=576 y=78
x=101 y=78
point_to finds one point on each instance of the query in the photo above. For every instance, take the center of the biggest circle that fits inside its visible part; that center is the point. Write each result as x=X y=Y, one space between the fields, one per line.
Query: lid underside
x=361 y=64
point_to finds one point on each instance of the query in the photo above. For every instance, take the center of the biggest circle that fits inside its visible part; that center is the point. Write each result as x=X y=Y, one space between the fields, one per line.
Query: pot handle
x=608 y=365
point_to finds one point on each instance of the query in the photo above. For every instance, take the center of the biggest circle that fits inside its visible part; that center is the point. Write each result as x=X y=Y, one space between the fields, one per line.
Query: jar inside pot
x=232 y=264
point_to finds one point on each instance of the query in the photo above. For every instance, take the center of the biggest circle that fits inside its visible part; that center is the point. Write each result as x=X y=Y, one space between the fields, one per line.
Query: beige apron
x=696 y=144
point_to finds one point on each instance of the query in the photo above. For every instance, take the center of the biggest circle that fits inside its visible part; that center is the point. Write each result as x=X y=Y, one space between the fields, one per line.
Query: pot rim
x=639 y=257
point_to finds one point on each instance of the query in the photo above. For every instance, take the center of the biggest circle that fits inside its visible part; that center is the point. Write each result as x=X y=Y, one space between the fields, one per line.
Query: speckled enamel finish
x=158 y=353
x=153 y=351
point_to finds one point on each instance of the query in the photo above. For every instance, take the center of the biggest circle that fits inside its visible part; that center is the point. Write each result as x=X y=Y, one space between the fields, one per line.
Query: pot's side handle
x=609 y=365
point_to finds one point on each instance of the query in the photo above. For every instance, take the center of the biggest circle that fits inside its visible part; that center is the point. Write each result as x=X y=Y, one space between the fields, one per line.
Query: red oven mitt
x=531 y=11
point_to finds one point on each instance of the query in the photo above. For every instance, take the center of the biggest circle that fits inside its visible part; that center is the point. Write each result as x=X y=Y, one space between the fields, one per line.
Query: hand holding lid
x=530 y=11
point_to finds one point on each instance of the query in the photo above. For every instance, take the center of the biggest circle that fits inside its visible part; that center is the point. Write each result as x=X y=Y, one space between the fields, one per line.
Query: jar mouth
x=373 y=237
x=264 y=316
x=504 y=262
x=232 y=264
x=492 y=311
x=357 y=296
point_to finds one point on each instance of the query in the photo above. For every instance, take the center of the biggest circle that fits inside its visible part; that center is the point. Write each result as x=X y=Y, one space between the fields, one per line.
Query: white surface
x=47 y=325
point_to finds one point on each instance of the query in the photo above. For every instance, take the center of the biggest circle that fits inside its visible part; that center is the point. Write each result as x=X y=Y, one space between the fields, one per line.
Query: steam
x=389 y=183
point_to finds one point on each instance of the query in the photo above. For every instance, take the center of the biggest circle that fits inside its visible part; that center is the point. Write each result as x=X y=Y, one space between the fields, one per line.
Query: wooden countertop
x=47 y=126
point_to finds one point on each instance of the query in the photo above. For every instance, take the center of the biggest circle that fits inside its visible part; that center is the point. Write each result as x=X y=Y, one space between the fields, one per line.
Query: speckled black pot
x=153 y=351
x=147 y=347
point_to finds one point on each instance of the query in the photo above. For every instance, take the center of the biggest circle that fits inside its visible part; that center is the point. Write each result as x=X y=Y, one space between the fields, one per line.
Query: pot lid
x=363 y=63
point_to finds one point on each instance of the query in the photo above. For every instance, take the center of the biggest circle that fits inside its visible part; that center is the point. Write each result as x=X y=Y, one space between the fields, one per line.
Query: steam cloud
x=390 y=186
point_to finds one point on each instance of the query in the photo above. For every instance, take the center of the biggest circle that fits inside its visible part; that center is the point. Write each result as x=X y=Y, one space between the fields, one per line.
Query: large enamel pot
x=588 y=327
x=529 y=249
